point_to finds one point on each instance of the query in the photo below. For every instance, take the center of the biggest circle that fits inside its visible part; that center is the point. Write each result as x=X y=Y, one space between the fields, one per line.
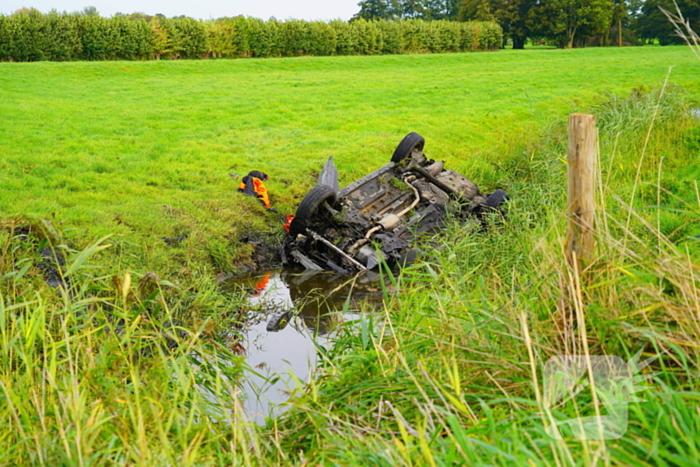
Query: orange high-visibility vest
x=259 y=189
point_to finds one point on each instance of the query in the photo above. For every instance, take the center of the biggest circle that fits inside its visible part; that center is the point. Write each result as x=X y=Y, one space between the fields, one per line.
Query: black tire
x=410 y=142
x=496 y=199
x=309 y=205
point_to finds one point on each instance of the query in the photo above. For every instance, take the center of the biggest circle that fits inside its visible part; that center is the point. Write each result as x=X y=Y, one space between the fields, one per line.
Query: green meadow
x=88 y=143
x=132 y=363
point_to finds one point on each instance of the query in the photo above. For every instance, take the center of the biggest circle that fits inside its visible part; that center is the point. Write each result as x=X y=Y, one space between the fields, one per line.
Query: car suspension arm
x=352 y=260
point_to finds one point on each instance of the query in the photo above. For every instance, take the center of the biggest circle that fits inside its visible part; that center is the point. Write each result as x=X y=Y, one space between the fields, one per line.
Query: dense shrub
x=192 y=39
x=264 y=38
x=29 y=35
x=129 y=40
x=117 y=38
x=369 y=37
x=345 y=39
x=294 y=38
x=392 y=36
x=164 y=38
x=61 y=37
x=94 y=35
x=23 y=36
x=219 y=37
x=322 y=37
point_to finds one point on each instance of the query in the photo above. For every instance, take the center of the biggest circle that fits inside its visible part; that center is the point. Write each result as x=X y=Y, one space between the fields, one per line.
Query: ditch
x=282 y=352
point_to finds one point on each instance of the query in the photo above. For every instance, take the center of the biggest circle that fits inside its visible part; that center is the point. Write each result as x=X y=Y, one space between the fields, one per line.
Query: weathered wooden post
x=583 y=149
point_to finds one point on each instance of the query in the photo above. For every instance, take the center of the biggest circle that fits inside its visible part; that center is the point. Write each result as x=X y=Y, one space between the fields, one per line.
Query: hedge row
x=251 y=37
x=29 y=35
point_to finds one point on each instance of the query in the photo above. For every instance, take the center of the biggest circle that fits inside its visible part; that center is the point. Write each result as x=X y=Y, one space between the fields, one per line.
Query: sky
x=200 y=9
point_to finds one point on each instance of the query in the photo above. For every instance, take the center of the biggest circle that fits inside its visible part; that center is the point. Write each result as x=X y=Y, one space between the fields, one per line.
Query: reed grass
x=107 y=369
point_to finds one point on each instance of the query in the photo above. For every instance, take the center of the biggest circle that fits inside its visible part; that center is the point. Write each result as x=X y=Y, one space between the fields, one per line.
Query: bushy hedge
x=251 y=37
x=29 y=35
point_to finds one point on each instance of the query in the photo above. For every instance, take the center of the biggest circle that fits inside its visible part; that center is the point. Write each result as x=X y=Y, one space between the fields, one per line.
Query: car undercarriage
x=379 y=217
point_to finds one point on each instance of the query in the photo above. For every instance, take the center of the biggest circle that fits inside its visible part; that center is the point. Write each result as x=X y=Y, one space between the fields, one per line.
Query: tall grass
x=106 y=370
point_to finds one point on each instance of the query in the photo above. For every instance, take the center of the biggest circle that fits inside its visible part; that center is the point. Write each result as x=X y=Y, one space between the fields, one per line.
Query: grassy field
x=130 y=368
x=146 y=148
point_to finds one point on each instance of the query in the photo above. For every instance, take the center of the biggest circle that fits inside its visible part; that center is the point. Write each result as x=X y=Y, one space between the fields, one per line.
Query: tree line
x=29 y=35
x=564 y=23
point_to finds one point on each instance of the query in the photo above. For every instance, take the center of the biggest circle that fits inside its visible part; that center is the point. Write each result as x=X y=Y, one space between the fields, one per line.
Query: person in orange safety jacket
x=252 y=185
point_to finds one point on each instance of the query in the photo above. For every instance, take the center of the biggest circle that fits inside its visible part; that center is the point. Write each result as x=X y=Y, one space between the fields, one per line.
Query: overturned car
x=379 y=217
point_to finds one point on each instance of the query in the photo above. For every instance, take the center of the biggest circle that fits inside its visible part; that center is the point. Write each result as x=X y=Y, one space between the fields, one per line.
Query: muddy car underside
x=379 y=217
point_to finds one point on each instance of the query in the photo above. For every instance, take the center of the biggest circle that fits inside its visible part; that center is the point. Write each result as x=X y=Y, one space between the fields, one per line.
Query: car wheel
x=496 y=199
x=309 y=205
x=410 y=142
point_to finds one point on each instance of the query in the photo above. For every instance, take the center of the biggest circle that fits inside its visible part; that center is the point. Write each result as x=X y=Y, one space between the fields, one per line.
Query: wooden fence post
x=583 y=149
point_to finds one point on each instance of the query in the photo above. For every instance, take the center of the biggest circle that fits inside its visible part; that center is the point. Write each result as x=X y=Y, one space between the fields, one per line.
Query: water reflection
x=291 y=314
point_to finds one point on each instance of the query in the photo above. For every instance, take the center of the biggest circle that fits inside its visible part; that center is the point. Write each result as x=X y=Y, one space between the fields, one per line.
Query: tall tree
x=90 y=11
x=418 y=9
x=570 y=22
x=652 y=24
x=378 y=9
x=511 y=15
x=444 y=9
x=620 y=15
x=405 y=9
x=475 y=10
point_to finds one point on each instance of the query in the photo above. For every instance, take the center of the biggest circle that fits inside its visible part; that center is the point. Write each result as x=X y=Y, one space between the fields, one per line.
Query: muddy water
x=314 y=305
